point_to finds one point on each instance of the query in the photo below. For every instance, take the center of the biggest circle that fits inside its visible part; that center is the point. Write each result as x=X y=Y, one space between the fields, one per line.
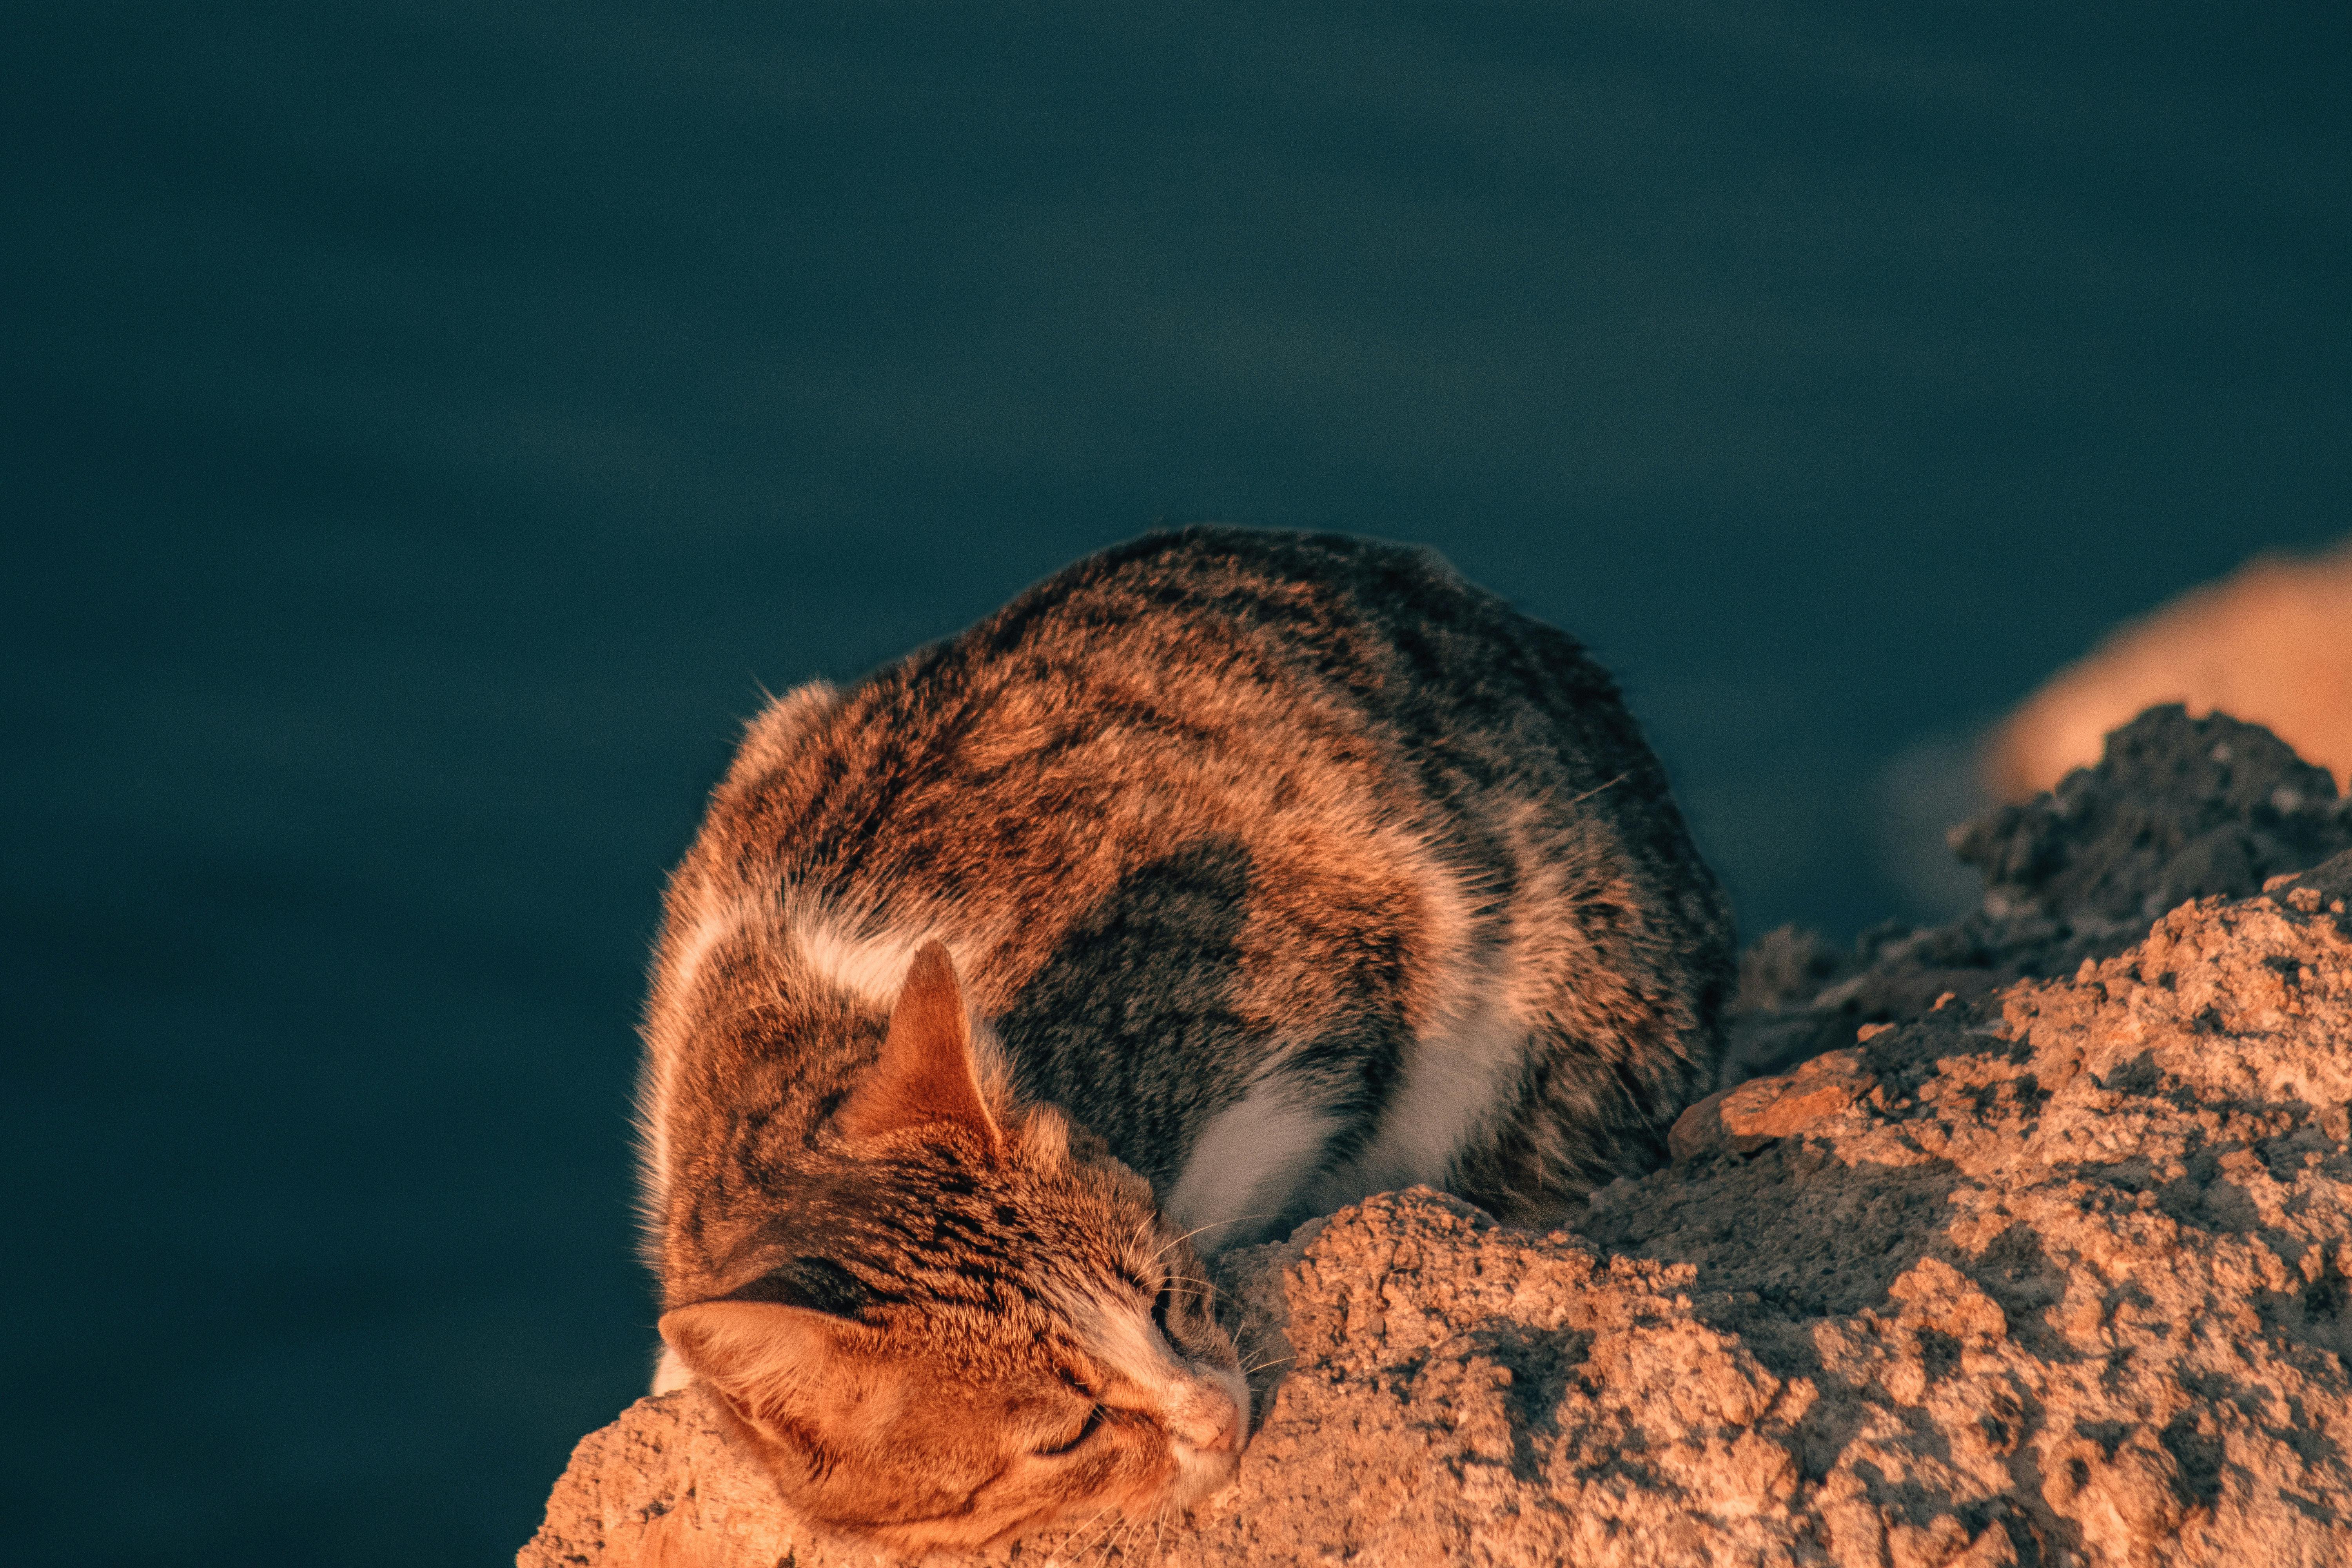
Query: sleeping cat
x=1223 y=879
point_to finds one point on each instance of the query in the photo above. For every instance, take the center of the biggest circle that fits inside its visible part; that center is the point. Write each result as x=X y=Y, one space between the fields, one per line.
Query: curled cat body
x=1221 y=879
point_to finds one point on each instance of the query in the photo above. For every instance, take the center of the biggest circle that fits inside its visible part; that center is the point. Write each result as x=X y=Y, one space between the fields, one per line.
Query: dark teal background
x=428 y=426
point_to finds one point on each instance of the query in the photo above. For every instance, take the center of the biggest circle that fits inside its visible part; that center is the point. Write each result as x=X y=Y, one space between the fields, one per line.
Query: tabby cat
x=1221 y=879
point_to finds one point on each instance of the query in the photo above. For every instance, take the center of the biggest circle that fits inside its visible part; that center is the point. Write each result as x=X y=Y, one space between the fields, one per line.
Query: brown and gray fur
x=1265 y=871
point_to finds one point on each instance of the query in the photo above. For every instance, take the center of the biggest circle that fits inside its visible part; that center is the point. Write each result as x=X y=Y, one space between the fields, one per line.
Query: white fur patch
x=1122 y=1336
x=654 y=1084
x=706 y=933
x=872 y=966
x=869 y=965
x=1470 y=1043
x=670 y=1372
x=1237 y=1388
x=1249 y=1161
x=1462 y=1074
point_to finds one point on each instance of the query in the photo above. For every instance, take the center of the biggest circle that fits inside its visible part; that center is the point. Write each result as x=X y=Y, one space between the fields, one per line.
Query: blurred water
x=429 y=425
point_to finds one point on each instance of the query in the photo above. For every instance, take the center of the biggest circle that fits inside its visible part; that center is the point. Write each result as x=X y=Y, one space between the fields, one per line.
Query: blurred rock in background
x=2270 y=643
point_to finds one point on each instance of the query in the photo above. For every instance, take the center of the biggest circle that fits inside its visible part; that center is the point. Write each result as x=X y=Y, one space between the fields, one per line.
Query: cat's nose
x=1216 y=1428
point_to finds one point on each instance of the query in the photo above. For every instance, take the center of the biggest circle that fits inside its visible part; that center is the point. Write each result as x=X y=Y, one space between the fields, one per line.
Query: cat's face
x=1075 y=1369
x=994 y=1330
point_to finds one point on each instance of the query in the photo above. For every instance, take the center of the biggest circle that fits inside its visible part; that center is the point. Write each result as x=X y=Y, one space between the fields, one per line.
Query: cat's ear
x=766 y=1358
x=926 y=1074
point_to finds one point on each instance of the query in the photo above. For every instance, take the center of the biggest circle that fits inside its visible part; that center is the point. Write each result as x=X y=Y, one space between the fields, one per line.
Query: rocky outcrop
x=2057 y=1269
x=2178 y=808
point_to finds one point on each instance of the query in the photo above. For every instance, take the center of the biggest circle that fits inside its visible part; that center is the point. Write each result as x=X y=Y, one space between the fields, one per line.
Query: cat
x=1216 y=882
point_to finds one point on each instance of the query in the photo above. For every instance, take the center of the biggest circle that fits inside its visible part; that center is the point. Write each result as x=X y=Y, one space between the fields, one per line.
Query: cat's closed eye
x=1092 y=1424
x=1160 y=1304
x=1051 y=1447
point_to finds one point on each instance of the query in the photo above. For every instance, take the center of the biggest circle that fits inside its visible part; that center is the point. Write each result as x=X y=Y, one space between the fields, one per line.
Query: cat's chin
x=1203 y=1470
x=1199 y=1474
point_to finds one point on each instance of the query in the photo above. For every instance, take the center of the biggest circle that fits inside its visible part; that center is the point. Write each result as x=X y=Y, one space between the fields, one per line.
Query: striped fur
x=1276 y=869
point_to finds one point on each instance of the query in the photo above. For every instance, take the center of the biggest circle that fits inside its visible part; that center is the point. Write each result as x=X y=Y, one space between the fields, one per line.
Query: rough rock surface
x=2058 y=1272
x=2178 y=808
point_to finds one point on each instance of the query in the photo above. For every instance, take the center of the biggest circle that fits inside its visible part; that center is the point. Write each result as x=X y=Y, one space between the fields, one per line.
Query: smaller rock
x=2178 y=808
x=1744 y=1120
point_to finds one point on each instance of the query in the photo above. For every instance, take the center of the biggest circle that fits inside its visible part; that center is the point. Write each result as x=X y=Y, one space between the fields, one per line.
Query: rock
x=1763 y=1111
x=661 y=1488
x=2078 y=1265
x=2055 y=1268
x=2178 y=809
x=2070 y=1282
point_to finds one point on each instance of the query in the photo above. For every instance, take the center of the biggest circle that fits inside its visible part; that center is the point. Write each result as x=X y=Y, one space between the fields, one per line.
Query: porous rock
x=2068 y=1283
x=2058 y=1272
x=2178 y=808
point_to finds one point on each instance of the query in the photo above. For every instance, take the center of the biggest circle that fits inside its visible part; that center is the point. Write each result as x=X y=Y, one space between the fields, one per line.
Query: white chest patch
x=1250 y=1162
x=1462 y=1074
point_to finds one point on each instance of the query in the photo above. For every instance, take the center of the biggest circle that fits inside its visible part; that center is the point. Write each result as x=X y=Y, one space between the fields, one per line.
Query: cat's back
x=1224 y=814
x=1189 y=678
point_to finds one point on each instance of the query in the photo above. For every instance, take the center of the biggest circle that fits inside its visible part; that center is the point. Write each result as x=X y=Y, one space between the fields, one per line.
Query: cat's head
x=979 y=1324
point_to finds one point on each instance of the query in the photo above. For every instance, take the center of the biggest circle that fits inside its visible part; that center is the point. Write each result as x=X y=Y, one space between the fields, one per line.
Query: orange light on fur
x=925 y=1075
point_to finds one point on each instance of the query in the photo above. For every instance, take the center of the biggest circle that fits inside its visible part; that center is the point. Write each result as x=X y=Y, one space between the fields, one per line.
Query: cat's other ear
x=766 y=1358
x=925 y=1075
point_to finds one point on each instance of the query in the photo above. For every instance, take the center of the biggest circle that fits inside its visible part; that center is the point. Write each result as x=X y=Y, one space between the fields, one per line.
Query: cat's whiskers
x=1164 y=1518
x=1208 y=1302
x=1101 y=1544
x=1213 y=1224
x=1206 y=1289
x=1059 y=1551
x=1596 y=789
